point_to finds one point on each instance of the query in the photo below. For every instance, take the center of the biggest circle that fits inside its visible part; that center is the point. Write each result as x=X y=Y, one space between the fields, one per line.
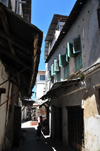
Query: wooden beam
x=35 y=61
x=20 y=44
x=15 y=58
x=29 y=59
x=15 y=72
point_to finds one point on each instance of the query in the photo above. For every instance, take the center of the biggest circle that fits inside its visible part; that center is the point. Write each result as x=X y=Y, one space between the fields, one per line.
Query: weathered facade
x=74 y=69
x=20 y=48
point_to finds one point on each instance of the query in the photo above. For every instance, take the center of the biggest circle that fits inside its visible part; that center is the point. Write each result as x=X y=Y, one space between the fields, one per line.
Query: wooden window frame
x=75 y=50
x=66 y=68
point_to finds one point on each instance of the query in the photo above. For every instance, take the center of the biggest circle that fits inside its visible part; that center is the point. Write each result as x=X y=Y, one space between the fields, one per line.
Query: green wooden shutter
x=52 y=81
x=58 y=76
x=52 y=70
x=78 y=62
x=49 y=75
x=62 y=60
x=76 y=45
x=56 y=65
x=66 y=72
x=70 y=50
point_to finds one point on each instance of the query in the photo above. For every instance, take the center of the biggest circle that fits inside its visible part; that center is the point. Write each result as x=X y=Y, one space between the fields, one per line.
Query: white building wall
x=86 y=26
x=40 y=85
x=39 y=90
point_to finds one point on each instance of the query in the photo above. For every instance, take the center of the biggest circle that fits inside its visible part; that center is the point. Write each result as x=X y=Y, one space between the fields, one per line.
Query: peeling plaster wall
x=74 y=99
x=87 y=99
x=3 y=108
x=7 y=112
x=92 y=112
x=92 y=125
x=10 y=125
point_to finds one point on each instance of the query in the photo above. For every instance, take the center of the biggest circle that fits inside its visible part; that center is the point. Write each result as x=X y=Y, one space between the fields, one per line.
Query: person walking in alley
x=38 y=131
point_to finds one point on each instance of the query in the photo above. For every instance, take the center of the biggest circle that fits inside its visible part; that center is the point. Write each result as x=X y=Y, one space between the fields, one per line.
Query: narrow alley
x=29 y=142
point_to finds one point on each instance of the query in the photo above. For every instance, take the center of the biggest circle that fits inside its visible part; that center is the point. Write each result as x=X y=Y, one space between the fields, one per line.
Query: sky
x=42 y=12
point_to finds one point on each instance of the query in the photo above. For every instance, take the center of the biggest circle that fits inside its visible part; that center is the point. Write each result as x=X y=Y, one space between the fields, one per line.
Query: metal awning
x=27 y=102
x=20 y=44
x=59 y=87
x=45 y=103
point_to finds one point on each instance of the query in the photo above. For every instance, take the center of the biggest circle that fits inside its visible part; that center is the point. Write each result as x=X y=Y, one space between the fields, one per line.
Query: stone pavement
x=31 y=144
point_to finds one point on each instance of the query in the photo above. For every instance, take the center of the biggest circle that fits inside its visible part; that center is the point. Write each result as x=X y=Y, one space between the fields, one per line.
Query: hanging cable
x=14 y=75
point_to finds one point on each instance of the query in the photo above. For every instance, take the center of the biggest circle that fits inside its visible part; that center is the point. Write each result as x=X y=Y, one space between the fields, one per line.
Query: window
x=52 y=81
x=66 y=72
x=78 y=62
x=42 y=77
x=76 y=45
x=69 y=51
x=49 y=75
x=62 y=60
x=52 y=70
x=56 y=65
x=58 y=76
x=73 y=48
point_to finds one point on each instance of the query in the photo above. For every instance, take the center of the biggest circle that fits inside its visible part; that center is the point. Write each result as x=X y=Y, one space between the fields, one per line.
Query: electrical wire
x=14 y=75
x=13 y=95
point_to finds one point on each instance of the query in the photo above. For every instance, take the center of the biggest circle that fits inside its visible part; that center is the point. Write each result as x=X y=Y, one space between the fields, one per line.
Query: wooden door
x=17 y=126
x=58 y=123
x=76 y=128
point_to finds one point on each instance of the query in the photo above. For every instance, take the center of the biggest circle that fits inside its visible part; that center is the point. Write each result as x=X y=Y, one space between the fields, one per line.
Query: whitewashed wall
x=40 y=85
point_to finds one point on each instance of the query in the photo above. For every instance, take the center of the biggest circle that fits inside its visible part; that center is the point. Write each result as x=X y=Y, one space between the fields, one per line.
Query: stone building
x=74 y=78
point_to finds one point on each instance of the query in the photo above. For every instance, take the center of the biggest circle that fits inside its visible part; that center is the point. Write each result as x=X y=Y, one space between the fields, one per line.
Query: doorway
x=75 y=128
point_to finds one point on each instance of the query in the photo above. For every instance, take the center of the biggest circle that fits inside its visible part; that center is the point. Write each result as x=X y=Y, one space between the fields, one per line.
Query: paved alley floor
x=31 y=144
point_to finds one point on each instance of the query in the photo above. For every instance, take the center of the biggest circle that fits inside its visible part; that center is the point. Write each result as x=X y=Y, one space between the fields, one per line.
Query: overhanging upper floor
x=20 y=48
